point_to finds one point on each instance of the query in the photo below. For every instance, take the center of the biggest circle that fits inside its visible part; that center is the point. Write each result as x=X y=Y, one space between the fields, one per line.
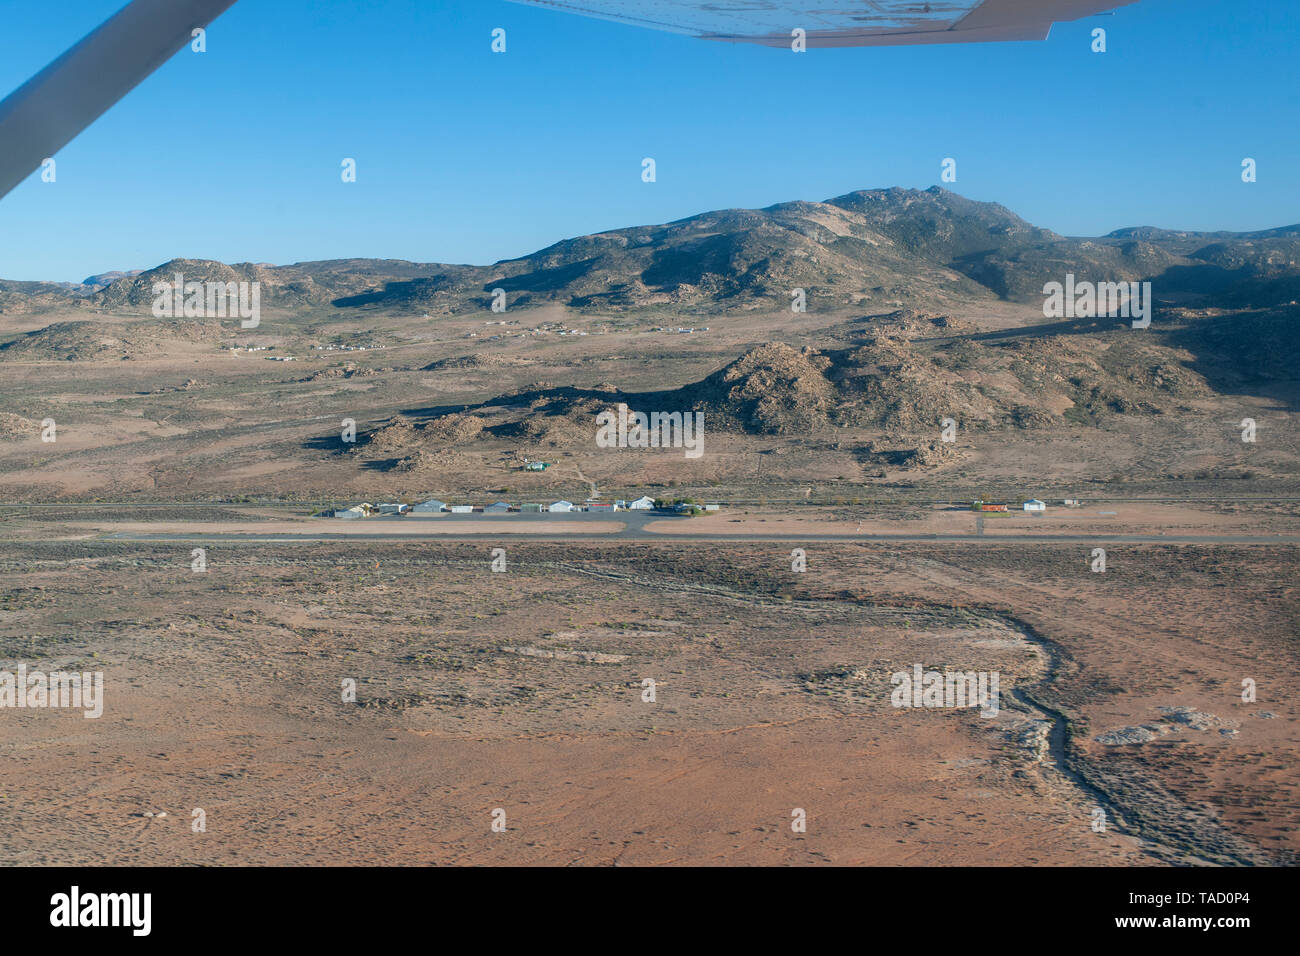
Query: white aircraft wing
x=44 y=114
x=842 y=22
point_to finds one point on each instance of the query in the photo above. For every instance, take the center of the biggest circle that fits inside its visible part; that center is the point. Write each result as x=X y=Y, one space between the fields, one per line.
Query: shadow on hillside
x=332 y=442
x=558 y=400
x=406 y=291
x=544 y=280
x=381 y=464
x=1087 y=326
x=1246 y=353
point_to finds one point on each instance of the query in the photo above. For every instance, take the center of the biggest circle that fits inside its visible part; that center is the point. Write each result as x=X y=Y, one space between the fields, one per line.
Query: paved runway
x=641 y=535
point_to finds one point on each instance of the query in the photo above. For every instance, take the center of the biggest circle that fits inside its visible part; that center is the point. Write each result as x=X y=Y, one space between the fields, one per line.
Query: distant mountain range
x=870 y=247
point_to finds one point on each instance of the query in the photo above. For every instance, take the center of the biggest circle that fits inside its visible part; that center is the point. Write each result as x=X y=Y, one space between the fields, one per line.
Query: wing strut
x=45 y=113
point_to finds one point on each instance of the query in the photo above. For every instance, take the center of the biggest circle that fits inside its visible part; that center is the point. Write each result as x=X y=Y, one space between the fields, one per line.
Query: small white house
x=461 y=509
x=644 y=503
x=1033 y=504
x=560 y=506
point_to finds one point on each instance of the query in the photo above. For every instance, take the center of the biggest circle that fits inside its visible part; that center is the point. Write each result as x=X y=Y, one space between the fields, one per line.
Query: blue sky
x=464 y=155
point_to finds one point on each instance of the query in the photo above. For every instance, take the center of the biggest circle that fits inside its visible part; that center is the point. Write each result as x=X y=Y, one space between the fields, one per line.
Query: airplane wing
x=842 y=23
x=45 y=113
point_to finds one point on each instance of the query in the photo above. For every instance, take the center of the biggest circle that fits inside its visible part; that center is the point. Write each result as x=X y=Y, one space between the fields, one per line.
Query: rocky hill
x=891 y=386
x=26 y=298
x=103 y=279
x=82 y=341
x=926 y=247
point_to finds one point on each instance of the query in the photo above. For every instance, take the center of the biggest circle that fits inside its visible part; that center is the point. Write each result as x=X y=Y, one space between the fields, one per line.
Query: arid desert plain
x=658 y=686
